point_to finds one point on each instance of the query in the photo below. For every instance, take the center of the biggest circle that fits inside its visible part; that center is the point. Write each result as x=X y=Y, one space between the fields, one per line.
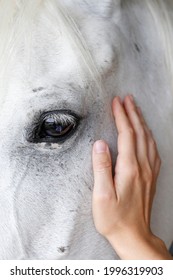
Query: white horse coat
x=66 y=60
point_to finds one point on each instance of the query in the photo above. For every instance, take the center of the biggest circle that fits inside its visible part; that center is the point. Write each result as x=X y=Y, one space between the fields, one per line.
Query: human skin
x=122 y=204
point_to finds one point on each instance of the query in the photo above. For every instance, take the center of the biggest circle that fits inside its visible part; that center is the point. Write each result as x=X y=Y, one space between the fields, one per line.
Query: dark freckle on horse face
x=137 y=48
x=61 y=249
x=37 y=89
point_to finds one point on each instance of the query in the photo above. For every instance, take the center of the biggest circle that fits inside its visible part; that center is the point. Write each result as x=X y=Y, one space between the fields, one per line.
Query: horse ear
x=104 y=8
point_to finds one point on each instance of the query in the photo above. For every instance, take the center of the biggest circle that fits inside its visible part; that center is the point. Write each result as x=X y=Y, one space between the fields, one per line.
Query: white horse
x=61 y=63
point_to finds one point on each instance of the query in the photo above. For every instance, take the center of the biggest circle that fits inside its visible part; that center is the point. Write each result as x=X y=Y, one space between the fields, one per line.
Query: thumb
x=102 y=168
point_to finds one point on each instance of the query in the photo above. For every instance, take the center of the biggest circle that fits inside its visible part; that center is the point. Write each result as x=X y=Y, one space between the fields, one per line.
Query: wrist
x=137 y=246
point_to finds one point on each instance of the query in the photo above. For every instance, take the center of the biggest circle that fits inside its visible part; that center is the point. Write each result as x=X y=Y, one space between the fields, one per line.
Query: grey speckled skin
x=46 y=190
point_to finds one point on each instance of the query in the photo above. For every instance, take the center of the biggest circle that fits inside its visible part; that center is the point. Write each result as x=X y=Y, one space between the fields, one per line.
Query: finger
x=157 y=168
x=126 y=140
x=141 y=137
x=154 y=158
x=102 y=168
x=152 y=147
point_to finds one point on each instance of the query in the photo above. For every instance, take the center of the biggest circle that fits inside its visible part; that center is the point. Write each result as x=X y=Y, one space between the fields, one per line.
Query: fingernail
x=119 y=99
x=131 y=98
x=116 y=101
x=100 y=147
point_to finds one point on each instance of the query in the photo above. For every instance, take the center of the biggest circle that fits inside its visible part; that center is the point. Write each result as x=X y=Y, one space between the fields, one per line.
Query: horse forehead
x=56 y=49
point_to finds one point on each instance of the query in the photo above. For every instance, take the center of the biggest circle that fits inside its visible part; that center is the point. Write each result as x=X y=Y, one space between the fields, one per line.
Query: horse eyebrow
x=38 y=89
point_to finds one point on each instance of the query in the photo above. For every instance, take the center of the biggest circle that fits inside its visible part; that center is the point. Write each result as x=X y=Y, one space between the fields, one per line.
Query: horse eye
x=55 y=127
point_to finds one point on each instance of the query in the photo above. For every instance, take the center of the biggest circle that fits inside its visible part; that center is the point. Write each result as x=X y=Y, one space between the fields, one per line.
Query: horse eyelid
x=64 y=117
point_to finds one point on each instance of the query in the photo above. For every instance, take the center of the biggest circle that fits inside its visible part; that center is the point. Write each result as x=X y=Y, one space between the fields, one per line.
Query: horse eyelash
x=63 y=118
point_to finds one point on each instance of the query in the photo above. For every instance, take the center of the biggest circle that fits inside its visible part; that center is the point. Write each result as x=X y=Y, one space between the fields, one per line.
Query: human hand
x=122 y=205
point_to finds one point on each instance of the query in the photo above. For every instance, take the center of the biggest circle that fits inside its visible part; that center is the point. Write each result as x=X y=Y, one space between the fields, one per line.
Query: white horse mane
x=17 y=19
x=164 y=26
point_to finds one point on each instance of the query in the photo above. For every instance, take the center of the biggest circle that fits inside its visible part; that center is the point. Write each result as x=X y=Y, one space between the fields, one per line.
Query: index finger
x=126 y=137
